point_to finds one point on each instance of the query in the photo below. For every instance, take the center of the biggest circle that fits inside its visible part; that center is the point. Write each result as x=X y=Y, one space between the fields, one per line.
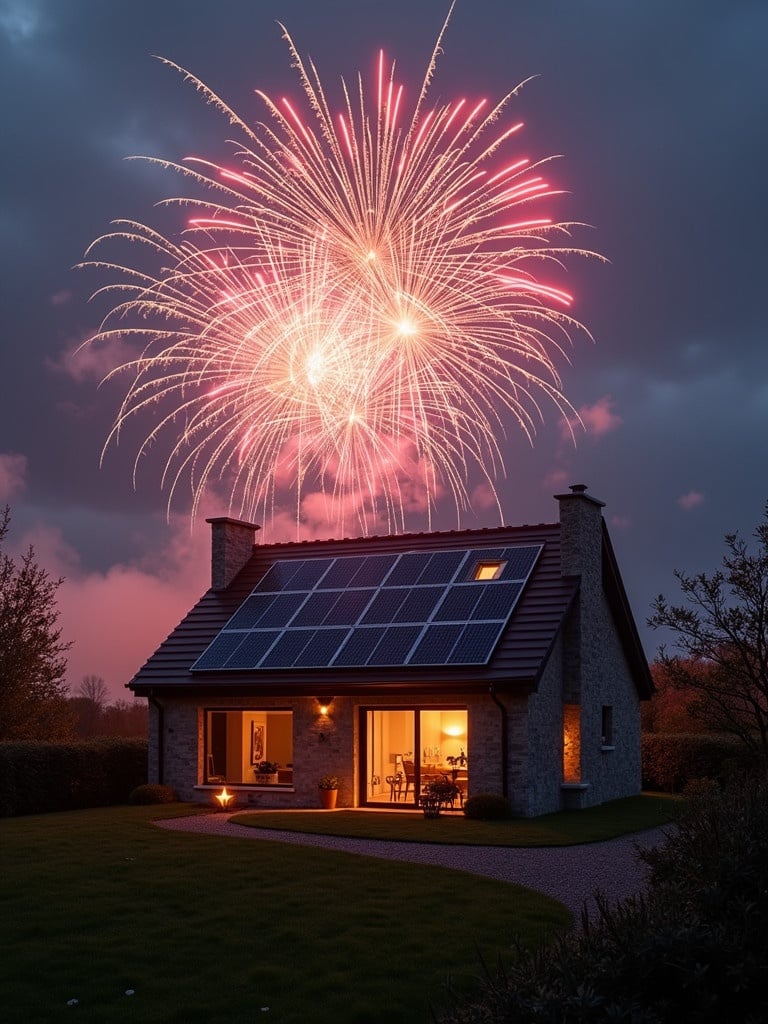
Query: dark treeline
x=122 y=718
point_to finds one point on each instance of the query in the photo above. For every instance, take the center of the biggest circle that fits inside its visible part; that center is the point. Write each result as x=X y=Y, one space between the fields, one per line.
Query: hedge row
x=40 y=777
x=695 y=949
x=673 y=761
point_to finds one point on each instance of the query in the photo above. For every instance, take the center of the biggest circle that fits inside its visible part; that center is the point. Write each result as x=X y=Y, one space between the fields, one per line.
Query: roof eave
x=624 y=621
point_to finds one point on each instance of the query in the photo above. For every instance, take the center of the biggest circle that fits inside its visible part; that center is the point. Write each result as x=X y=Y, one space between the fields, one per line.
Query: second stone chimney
x=581 y=533
x=581 y=554
x=232 y=542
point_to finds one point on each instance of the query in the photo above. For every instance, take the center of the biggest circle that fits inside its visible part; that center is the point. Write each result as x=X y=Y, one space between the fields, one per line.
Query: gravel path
x=571 y=874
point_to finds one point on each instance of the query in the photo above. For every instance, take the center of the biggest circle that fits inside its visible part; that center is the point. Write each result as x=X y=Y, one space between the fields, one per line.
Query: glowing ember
x=352 y=310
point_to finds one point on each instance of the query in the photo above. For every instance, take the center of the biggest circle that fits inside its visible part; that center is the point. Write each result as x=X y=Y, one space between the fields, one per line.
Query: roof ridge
x=480 y=531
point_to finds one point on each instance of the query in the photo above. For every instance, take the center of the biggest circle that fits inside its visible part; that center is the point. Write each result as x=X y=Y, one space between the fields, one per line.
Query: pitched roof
x=516 y=662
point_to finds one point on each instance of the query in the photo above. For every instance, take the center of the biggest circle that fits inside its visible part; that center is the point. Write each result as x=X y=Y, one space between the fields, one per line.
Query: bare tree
x=722 y=636
x=94 y=689
x=32 y=654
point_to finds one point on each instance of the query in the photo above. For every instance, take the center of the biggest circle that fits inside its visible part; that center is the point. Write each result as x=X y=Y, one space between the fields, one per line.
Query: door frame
x=365 y=771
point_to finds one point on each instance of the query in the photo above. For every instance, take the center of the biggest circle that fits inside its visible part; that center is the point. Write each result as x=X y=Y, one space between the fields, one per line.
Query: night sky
x=659 y=109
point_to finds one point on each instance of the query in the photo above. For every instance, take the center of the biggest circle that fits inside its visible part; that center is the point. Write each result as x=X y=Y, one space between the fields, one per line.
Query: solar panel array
x=415 y=608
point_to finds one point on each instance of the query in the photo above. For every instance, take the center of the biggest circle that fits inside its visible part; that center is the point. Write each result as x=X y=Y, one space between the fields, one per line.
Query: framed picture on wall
x=257 y=742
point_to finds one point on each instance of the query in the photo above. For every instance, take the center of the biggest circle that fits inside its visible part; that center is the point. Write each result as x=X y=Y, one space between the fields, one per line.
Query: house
x=505 y=658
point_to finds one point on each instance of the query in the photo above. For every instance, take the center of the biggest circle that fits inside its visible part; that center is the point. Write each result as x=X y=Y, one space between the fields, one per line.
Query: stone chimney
x=581 y=551
x=232 y=542
x=581 y=534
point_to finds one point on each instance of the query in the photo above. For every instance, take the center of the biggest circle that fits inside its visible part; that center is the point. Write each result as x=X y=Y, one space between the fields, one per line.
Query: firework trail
x=351 y=305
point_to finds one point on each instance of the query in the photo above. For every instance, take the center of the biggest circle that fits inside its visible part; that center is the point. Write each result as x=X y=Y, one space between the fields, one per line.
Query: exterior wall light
x=325 y=703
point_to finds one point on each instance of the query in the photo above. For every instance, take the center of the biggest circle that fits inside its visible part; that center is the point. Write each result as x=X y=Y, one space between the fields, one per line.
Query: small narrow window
x=607 y=725
x=489 y=570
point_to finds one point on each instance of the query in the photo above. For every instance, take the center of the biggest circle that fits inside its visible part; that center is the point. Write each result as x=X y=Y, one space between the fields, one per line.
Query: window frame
x=606 y=727
x=208 y=753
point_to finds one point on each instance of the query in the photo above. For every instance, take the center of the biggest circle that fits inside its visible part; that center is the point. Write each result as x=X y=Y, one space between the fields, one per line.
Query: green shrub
x=152 y=793
x=39 y=777
x=487 y=806
x=695 y=948
x=672 y=760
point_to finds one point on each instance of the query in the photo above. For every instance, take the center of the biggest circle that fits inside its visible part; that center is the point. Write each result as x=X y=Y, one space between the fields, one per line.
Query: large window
x=237 y=741
x=408 y=747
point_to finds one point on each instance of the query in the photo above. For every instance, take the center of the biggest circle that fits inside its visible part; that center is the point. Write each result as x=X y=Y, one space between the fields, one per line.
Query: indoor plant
x=329 y=789
x=266 y=772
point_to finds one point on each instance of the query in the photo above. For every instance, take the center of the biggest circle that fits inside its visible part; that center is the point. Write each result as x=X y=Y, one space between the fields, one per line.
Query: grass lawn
x=565 y=828
x=211 y=930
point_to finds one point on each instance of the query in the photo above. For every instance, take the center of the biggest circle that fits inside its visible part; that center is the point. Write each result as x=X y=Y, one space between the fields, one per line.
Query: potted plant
x=460 y=761
x=329 y=790
x=436 y=795
x=266 y=772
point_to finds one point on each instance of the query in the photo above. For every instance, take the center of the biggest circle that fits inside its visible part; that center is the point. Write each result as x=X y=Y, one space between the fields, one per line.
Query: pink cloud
x=483 y=498
x=620 y=522
x=597 y=420
x=61 y=298
x=84 y=363
x=13 y=471
x=348 y=515
x=386 y=491
x=117 y=618
x=690 y=500
x=557 y=480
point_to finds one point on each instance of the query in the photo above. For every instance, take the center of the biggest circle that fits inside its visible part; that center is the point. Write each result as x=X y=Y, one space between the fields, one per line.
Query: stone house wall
x=322 y=745
x=545 y=740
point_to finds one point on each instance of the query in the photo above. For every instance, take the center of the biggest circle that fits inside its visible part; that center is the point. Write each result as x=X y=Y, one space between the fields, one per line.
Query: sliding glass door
x=406 y=748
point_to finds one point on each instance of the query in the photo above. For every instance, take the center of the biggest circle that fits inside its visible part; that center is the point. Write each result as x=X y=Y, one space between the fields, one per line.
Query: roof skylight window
x=489 y=570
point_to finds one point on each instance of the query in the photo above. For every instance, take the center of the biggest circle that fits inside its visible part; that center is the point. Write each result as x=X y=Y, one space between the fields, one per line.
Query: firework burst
x=354 y=302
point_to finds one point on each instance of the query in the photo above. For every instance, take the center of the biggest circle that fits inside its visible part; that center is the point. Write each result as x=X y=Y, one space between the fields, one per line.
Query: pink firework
x=351 y=307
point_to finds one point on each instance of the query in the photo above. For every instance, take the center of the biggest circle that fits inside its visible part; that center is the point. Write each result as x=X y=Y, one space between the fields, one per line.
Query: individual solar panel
x=419 y=604
x=441 y=567
x=288 y=648
x=278 y=577
x=436 y=644
x=281 y=610
x=411 y=608
x=249 y=612
x=315 y=608
x=385 y=605
x=320 y=649
x=519 y=561
x=496 y=601
x=358 y=646
x=408 y=569
x=373 y=570
x=395 y=646
x=252 y=649
x=459 y=602
x=475 y=645
x=216 y=655
x=342 y=572
x=349 y=607
x=309 y=572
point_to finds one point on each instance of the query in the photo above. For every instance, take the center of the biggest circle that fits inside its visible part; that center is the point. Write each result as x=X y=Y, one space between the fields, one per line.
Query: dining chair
x=410 y=777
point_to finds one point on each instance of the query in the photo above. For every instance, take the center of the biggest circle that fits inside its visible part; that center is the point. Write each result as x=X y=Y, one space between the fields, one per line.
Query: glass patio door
x=405 y=748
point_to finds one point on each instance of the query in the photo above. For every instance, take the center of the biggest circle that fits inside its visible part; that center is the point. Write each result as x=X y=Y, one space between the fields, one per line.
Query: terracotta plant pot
x=328 y=798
